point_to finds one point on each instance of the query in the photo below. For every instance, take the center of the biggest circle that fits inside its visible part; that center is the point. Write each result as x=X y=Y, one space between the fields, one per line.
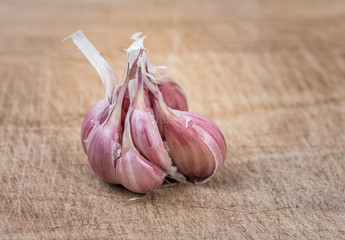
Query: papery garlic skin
x=97 y=61
x=97 y=114
x=197 y=152
x=137 y=173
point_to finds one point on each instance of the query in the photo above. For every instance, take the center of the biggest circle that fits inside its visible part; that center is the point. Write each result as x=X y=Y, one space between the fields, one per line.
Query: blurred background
x=270 y=74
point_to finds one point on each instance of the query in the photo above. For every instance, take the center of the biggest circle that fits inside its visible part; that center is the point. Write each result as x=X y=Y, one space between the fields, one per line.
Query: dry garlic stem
x=97 y=61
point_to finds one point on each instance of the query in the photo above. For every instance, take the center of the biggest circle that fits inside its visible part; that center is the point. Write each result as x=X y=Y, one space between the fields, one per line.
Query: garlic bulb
x=123 y=134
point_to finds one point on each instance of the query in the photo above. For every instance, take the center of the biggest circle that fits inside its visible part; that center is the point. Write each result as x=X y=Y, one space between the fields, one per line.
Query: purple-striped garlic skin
x=147 y=139
x=97 y=114
x=144 y=130
x=103 y=149
x=133 y=170
x=196 y=144
x=212 y=130
x=173 y=94
x=138 y=174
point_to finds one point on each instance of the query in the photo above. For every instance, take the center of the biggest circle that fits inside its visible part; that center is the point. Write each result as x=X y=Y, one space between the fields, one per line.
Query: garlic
x=134 y=171
x=196 y=144
x=123 y=134
x=138 y=174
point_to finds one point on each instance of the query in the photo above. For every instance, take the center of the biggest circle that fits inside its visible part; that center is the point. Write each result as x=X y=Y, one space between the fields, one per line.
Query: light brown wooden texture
x=270 y=74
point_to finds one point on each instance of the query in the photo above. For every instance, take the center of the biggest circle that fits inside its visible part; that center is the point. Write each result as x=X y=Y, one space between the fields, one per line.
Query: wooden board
x=270 y=74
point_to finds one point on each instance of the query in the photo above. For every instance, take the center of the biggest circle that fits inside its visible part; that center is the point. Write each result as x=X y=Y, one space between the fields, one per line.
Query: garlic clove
x=197 y=152
x=147 y=139
x=173 y=94
x=103 y=144
x=137 y=173
x=103 y=138
x=133 y=170
x=97 y=114
x=103 y=148
x=212 y=130
x=144 y=130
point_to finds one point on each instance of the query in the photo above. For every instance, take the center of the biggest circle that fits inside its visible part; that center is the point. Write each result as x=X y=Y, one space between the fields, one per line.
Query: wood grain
x=271 y=74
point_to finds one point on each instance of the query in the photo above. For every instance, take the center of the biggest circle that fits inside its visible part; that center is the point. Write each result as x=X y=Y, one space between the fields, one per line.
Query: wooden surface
x=271 y=74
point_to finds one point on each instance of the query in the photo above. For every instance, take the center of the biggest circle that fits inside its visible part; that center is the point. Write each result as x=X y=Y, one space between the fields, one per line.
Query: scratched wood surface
x=270 y=74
